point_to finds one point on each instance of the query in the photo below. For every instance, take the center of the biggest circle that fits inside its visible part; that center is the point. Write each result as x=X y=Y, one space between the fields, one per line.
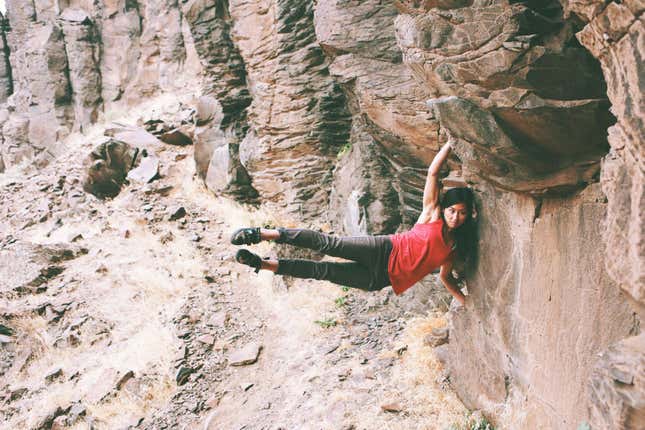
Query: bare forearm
x=439 y=159
x=451 y=286
x=431 y=189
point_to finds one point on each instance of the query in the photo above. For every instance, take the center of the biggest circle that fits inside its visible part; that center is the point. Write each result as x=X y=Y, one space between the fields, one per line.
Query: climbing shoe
x=246 y=236
x=244 y=256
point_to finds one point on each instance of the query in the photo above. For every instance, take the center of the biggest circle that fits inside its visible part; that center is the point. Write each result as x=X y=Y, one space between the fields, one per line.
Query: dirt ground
x=120 y=317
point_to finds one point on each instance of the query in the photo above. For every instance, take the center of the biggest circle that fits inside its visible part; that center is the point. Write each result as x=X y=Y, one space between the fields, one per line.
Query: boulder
x=107 y=167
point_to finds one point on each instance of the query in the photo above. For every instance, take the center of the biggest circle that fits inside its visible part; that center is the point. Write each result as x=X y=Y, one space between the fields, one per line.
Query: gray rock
x=147 y=170
x=77 y=410
x=75 y=15
x=17 y=393
x=247 y=355
x=5 y=330
x=176 y=213
x=439 y=336
x=53 y=374
x=392 y=407
x=124 y=379
x=176 y=137
x=206 y=339
x=207 y=107
x=59 y=423
x=183 y=374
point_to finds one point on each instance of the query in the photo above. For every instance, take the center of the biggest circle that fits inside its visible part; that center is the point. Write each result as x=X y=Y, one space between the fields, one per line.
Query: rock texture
x=329 y=112
x=68 y=63
x=614 y=34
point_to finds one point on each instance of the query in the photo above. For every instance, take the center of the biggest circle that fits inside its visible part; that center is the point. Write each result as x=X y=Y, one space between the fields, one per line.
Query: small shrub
x=341 y=301
x=326 y=323
x=344 y=149
x=471 y=423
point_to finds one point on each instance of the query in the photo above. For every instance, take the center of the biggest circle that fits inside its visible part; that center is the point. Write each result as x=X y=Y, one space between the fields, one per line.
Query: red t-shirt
x=416 y=253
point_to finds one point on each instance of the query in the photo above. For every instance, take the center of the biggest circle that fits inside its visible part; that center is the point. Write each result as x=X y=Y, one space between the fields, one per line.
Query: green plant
x=345 y=289
x=471 y=423
x=341 y=301
x=326 y=323
x=344 y=149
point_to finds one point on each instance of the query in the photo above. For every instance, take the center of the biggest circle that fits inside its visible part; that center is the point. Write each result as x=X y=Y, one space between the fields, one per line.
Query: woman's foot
x=253 y=235
x=246 y=236
x=244 y=256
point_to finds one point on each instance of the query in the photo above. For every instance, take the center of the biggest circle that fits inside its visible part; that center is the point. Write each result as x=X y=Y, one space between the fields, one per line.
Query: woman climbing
x=443 y=234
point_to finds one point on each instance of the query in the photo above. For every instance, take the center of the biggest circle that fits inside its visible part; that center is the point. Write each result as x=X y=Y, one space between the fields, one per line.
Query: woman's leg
x=352 y=275
x=367 y=250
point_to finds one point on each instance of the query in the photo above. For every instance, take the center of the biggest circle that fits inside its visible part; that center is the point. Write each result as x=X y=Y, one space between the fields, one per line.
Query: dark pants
x=370 y=255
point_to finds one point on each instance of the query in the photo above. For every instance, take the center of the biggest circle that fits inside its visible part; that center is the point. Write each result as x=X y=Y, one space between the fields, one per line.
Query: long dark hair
x=466 y=234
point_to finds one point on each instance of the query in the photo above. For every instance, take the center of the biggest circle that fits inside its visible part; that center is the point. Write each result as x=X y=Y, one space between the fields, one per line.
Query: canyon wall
x=330 y=112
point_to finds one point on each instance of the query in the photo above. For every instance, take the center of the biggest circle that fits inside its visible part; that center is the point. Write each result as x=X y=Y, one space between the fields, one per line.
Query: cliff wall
x=330 y=111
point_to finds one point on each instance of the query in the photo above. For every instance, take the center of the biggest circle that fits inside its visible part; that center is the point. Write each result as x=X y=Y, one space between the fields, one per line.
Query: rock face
x=69 y=63
x=614 y=35
x=330 y=112
x=298 y=111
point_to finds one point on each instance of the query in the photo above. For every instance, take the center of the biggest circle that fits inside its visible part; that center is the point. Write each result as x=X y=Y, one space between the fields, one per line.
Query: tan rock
x=617 y=389
x=82 y=48
x=246 y=355
x=536 y=322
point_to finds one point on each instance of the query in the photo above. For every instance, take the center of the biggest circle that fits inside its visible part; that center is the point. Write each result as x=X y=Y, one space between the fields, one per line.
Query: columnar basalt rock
x=120 y=30
x=71 y=61
x=220 y=131
x=40 y=104
x=298 y=116
x=82 y=47
x=394 y=136
x=6 y=83
x=362 y=201
x=161 y=49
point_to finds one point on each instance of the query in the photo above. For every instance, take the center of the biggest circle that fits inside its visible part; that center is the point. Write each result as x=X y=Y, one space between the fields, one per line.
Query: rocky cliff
x=328 y=112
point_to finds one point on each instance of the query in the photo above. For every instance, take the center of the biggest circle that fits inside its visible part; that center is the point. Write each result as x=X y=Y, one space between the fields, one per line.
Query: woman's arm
x=445 y=274
x=431 y=189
